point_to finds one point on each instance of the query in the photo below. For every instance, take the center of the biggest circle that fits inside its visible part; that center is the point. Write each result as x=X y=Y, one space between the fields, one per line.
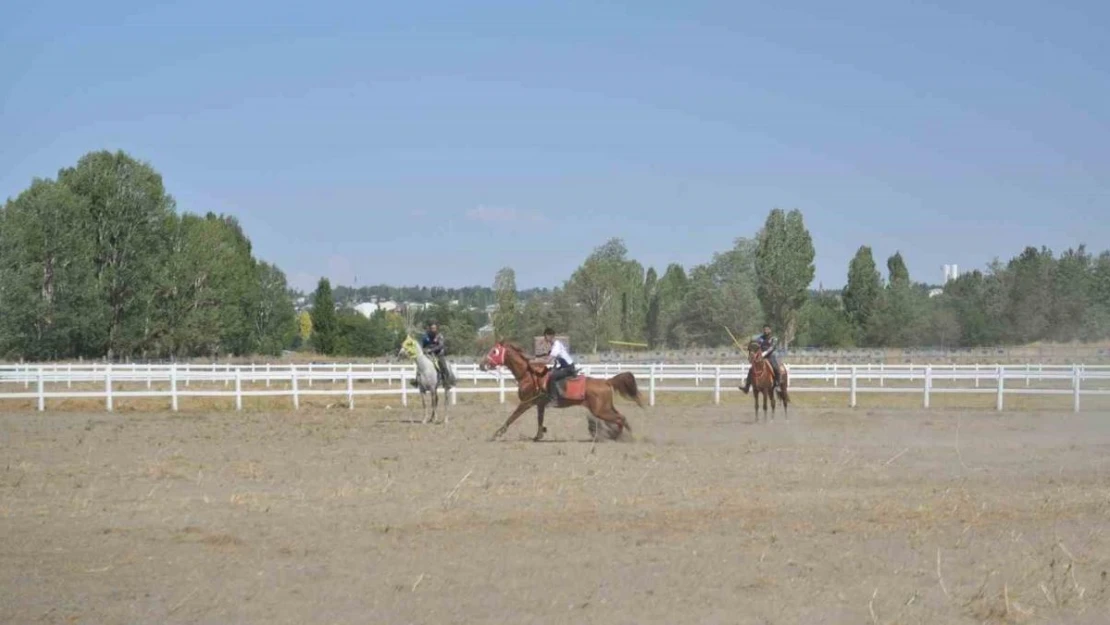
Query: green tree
x=1096 y=323
x=896 y=267
x=127 y=210
x=597 y=286
x=722 y=294
x=784 y=268
x=861 y=295
x=47 y=283
x=1071 y=288
x=1028 y=311
x=325 y=328
x=901 y=310
x=275 y=321
x=651 y=308
x=505 y=319
x=671 y=292
x=823 y=322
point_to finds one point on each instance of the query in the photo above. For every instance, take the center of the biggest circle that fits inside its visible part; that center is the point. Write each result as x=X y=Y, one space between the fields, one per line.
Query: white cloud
x=498 y=214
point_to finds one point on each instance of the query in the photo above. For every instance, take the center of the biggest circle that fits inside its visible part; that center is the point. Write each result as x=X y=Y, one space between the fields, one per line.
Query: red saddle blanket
x=571 y=389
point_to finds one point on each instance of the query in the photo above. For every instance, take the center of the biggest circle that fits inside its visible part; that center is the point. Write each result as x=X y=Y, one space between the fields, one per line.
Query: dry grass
x=837 y=516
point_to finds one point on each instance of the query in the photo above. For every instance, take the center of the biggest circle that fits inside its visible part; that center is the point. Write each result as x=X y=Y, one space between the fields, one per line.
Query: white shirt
x=557 y=350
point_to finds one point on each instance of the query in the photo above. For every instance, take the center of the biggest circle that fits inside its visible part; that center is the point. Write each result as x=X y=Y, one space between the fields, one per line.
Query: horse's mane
x=537 y=369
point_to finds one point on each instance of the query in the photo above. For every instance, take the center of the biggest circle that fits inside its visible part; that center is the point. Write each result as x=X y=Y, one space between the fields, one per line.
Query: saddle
x=570 y=389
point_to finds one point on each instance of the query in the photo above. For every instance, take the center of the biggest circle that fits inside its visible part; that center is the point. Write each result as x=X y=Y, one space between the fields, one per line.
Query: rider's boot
x=747 y=383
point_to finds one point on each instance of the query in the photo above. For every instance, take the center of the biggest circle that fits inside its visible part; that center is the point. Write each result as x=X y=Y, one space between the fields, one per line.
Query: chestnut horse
x=531 y=388
x=763 y=382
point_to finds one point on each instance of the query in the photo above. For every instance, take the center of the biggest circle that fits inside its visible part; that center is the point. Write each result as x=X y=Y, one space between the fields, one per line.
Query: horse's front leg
x=435 y=402
x=423 y=406
x=540 y=429
x=520 y=409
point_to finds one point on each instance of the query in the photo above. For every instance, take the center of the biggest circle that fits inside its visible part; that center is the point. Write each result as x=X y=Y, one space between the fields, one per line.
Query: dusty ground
x=361 y=517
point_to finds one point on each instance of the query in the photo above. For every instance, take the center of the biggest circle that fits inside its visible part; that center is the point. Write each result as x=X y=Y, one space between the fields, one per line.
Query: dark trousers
x=557 y=374
x=444 y=371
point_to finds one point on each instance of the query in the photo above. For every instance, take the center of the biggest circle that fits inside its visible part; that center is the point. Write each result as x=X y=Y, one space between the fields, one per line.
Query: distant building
x=367 y=309
x=935 y=292
x=486 y=330
x=951 y=272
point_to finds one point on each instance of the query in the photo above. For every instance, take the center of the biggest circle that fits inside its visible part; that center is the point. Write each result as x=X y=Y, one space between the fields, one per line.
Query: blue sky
x=433 y=143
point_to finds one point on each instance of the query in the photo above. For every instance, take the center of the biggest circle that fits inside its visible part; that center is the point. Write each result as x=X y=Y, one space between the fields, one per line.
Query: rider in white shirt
x=561 y=360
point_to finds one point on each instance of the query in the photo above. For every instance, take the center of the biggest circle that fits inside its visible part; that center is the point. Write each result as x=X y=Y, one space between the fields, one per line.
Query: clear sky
x=432 y=143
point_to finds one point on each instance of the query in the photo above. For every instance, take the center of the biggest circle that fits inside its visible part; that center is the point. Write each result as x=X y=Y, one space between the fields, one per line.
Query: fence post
x=149 y=375
x=267 y=375
x=501 y=385
x=651 y=386
x=882 y=382
x=238 y=388
x=310 y=374
x=454 y=396
x=977 y=376
x=296 y=393
x=404 y=389
x=108 y=387
x=717 y=385
x=1075 y=387
x=173 y=387
x=69 y=375
x=350 y=388
x=42 y=390
x=1000 y=371
x=1028 y=372
x=928 y=383
x=852 y=386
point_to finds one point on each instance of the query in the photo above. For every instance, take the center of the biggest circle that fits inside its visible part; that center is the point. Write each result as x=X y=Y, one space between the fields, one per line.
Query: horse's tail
x=625 y=384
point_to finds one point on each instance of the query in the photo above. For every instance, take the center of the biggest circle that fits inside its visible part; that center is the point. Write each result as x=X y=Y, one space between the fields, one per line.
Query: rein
x=536 y=376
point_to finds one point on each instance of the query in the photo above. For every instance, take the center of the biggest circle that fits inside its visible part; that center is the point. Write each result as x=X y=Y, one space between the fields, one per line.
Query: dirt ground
x=337 y=516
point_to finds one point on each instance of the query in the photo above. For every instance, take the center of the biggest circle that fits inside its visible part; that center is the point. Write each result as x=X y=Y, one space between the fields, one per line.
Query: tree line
x=98 y=263
x=1035 y=296
x=476 y=296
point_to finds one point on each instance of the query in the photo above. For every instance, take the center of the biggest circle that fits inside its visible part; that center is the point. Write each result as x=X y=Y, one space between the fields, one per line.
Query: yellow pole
x=737 y=343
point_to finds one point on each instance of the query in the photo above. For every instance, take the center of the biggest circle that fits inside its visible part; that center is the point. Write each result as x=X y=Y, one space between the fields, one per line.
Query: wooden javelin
x=737 y=343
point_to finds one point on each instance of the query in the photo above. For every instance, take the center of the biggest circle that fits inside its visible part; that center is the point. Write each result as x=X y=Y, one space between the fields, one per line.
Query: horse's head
x=495 y=357
x=755 y=354
x=409 y=348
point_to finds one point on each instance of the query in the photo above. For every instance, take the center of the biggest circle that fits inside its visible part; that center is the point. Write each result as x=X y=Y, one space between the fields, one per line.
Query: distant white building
x=366 y=309
x=951 y=272
x=935 y=292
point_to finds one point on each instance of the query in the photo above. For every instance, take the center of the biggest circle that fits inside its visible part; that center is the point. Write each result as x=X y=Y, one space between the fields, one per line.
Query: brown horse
x=597 y=395
x=763 y=382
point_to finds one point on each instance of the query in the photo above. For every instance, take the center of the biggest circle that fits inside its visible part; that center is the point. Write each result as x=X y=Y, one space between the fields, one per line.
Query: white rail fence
x=43 y=382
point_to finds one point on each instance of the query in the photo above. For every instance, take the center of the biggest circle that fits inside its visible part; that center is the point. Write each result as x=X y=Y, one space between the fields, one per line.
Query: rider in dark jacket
x=434 y=346
x=767 y=344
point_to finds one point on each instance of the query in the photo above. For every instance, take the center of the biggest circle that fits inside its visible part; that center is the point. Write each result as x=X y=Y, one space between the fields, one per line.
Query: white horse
x=427 y=377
